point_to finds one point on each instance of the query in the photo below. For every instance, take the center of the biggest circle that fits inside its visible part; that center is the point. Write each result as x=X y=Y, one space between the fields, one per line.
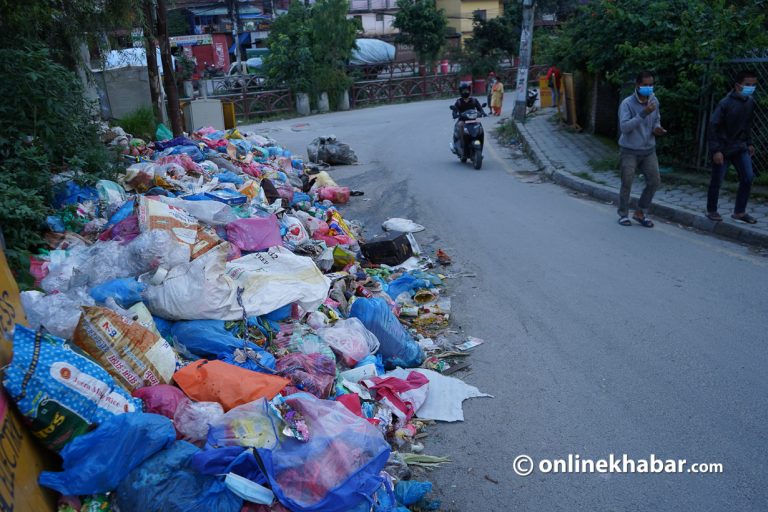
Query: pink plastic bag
x=337 y=195
x=286 y=192
x=350 y=340
x=255 y=234
x=161 y=399
x=193 y=419
x=313 y=373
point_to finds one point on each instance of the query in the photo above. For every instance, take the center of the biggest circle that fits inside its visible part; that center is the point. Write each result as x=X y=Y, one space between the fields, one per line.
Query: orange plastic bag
x=227 y=384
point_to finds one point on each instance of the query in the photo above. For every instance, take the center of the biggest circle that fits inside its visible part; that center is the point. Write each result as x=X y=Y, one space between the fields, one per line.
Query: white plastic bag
x=207 y=288
x=58 y=313
x=193 y=419
x=402 y=225
x=350 y=339
x=211 y=212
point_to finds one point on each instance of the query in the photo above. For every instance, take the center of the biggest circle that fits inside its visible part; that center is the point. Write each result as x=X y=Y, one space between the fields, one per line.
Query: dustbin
x=228 y=108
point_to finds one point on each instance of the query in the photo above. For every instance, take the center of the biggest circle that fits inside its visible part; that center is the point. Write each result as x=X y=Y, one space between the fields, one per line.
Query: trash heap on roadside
x=210 y=333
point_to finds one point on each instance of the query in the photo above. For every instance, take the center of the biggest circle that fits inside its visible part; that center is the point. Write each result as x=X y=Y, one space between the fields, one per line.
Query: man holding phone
x=730 y=142
x=640 y=124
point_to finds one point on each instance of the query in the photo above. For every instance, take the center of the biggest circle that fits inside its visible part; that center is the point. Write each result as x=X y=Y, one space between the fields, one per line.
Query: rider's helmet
x=464 y=90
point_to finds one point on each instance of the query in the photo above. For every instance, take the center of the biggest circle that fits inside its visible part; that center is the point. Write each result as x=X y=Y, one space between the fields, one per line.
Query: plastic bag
x=155 y=214
x=58 y=313
x=295 y=234
x=59 y=389
x=255 y=234
x=216 y=381
x=206 y=338
x=130 y=352
x=410 y=492
x=235 y=459
x=251 y=424
x=397 y=348
x=161 y=399
x=111 y=196
x=166 y=482
x=207 y=288
x=214 y=213
x=330 y=151
x=351 y=340
x=337 y=195
x=126 y=291
x=193 y=419
x=401 y=225
x=163 y=133
x=333 y=471
x=297 y=338
x=406 y=284
x=98 y=461
x=313 y=373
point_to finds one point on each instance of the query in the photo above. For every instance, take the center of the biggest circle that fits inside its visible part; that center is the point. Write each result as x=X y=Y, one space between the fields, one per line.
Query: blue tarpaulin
x=243 y=39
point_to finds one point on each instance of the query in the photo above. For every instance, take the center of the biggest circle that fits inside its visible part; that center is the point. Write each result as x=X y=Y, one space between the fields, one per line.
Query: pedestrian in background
x=730 y=142
x=497 y=97
x=489 y=85
x=640 y=124
x=553 y=79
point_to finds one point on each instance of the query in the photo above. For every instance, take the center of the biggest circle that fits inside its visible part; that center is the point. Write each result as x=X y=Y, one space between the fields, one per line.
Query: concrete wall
x=460 y=13
x=123 y=90
x=371 y=27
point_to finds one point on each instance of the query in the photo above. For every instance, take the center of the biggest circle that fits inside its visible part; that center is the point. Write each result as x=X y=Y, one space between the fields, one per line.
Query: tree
x=497 y=38
x=422 y=26
x=289 y=61
x=333 y=40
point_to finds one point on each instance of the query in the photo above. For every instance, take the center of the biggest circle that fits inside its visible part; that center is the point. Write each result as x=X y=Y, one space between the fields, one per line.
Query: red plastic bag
x=229 y=385
x=337 y=195
x=161 y=399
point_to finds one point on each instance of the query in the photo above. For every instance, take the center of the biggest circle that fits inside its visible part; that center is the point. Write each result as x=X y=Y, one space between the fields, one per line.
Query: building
x=375 y=16
x=461 y=13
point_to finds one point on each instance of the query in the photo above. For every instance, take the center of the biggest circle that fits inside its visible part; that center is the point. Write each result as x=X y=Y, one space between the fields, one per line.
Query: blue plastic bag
x=192 y=151
x=122 y=213
x=161 y=145
x=410 y=492
x=300 y=197
x=209 y=339
x=70 y=192
x=229 y=177
x=98 y=461
x=166 y=482
x=397 y=348
x=333 y=471
x=406 y=283
x=55 y=224
x=126 y=291
x=229 y=459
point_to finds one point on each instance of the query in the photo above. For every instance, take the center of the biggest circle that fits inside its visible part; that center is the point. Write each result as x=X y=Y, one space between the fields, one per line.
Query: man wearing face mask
x=730 y=142
x=464 y=103
x=640 y=124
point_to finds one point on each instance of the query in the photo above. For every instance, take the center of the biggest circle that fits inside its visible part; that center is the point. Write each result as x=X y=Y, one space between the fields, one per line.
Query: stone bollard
x=302 y=104
x=322 y=103
x=344 y=100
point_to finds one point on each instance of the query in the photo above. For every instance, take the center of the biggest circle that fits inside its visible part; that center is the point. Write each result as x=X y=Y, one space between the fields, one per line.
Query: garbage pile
x=210 y=333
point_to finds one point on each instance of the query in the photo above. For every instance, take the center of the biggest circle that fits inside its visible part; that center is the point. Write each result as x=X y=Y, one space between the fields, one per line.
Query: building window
x=359 y=19
x=481 y=15
x=379 y=16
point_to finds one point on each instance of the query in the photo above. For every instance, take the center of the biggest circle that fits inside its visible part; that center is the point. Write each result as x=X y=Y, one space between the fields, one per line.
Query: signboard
x=21 y=458
x=192 y=40
x=219 y=52
x=137 y=38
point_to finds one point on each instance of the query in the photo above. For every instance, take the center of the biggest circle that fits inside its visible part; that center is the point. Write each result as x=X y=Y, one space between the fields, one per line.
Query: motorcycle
x=469 y=146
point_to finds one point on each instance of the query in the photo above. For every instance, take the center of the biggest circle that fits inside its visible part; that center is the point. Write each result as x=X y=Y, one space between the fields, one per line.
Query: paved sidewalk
x=565 y=157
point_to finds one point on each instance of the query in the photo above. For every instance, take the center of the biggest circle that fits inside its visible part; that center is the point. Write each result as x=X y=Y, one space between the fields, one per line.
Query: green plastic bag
x=163 y=133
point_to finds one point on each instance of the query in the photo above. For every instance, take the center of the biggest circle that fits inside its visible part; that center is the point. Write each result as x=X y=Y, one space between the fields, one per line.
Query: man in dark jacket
x=464 y=103
x=730 y=142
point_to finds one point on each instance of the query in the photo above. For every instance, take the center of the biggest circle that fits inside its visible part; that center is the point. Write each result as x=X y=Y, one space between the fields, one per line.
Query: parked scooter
x=468 y=146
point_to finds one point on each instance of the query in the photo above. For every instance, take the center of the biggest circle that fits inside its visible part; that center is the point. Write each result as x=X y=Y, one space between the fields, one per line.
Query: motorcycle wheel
x=477 y=160
x=463 y=159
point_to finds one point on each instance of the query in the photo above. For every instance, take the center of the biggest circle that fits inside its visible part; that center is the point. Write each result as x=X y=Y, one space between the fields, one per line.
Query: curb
x=658 y=208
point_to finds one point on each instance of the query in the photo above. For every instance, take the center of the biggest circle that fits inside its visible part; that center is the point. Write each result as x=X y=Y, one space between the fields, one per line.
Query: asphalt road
x=600 y=339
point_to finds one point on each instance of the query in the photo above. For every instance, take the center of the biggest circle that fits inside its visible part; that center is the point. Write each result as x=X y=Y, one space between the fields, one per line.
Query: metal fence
x=716 y=83
x=373 y=92
x=248 y=94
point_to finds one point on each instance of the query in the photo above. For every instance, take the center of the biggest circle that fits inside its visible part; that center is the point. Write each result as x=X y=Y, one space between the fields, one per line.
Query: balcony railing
x=371 y=5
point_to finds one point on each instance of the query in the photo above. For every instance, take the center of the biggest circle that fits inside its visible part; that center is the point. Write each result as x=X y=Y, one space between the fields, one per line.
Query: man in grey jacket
x=640 y=124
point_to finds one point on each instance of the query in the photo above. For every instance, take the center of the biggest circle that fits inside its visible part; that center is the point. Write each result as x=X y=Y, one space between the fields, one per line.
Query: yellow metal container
x=545 y=93
x=228 y=107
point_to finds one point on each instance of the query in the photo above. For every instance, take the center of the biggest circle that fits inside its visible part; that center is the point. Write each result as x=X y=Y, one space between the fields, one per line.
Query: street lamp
x=526 y=41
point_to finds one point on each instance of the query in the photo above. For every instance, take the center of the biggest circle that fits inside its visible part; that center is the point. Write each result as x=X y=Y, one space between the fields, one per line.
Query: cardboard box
x=21 y=458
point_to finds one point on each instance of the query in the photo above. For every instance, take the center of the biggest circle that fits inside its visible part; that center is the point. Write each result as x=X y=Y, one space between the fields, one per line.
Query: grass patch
x=507 y=132
x=587 y=176
x=609 y=163
x=140 y=123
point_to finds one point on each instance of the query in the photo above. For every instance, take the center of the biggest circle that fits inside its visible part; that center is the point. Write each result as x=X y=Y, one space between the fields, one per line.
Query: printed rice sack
x=60 y=391
x=133 y=354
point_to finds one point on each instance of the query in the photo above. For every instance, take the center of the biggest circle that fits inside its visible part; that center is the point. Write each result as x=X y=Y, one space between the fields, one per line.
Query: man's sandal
x=624 y=221
x=745 y=218
x=643 y=221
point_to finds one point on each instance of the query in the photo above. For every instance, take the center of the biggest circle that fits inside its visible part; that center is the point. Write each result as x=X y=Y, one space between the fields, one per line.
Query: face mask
x=465 y=94
x=748 y=90
x=645 y=90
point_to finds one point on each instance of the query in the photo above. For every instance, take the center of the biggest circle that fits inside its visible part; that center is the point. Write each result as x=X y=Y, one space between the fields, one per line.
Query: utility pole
x=526 y=41
x=174 y=111
x=233 y=9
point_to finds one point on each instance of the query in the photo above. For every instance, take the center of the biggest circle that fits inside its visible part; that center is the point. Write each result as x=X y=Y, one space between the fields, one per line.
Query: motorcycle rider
x=464 y=103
